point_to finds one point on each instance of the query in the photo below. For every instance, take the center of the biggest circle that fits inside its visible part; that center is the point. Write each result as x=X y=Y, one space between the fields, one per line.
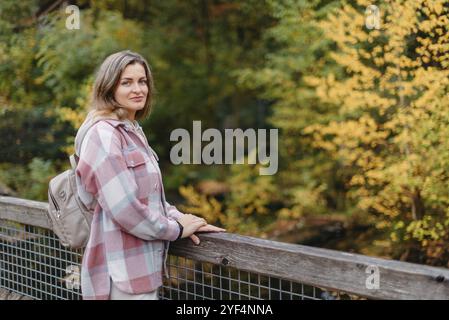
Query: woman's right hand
x=190 y=224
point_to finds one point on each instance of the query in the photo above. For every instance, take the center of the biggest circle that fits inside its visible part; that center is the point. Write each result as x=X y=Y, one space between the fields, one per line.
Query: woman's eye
x=127 y=83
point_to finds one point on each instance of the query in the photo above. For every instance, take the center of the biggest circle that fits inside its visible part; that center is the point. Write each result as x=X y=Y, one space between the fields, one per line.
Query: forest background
x=361 y=109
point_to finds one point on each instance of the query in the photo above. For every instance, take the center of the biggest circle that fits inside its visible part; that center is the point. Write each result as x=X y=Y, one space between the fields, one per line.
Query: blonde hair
x=103 y=103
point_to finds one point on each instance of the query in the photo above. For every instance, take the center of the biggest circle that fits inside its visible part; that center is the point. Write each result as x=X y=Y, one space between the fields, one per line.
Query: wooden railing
x=321 y=268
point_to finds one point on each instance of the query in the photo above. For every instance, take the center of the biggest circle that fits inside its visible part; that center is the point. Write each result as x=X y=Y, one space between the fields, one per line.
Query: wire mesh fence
x=34 y=264
x=196 y=280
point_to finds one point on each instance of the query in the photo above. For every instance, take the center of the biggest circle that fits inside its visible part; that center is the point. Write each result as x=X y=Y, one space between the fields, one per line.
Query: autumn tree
x=391 y=135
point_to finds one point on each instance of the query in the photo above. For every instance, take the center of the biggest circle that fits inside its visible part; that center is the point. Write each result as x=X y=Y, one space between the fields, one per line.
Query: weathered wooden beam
x=318 y=267
x=24 y=211
x=9 y=295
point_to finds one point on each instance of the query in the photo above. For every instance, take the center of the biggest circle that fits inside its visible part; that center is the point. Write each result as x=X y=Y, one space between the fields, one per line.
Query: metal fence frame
x=240 y=267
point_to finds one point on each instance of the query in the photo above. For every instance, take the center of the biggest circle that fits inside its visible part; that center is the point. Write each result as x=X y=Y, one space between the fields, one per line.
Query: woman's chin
x=135 y=107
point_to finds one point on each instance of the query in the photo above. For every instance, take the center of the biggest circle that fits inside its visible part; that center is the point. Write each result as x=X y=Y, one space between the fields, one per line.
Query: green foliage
x=29 y=134
x=68 y=58
x=30 y=182
x=362 y=114
x=249 y=208
x=297 y=48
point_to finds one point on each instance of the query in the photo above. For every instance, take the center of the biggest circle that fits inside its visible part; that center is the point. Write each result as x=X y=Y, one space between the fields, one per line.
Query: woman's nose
x=136 y=88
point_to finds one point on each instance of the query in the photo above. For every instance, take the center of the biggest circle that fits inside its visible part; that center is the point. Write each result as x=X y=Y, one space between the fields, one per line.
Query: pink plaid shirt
x=119 y=178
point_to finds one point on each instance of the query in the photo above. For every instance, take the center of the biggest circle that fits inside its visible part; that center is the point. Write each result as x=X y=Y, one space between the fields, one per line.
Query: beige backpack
x=69 y=217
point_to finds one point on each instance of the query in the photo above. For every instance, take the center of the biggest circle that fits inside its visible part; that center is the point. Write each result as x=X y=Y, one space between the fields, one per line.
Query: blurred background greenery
x=362 y=113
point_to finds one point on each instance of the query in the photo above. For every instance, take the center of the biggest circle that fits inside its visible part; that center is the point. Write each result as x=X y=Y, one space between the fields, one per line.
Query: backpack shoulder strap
x=74 y=158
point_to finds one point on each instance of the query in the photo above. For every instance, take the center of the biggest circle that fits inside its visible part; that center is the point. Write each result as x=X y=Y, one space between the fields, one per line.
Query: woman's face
x=132 y=89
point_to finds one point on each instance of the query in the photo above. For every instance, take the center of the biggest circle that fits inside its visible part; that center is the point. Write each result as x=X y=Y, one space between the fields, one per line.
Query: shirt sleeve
x=173 y=212
x=103 y=167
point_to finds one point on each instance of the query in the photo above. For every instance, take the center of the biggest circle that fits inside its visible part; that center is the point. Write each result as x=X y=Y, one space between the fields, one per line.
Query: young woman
x=119 y=179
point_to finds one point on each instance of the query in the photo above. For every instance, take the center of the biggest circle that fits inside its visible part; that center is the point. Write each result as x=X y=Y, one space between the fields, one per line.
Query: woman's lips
x=137 y=99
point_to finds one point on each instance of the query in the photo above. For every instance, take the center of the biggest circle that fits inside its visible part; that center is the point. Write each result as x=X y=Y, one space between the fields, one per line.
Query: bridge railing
x=225 y=266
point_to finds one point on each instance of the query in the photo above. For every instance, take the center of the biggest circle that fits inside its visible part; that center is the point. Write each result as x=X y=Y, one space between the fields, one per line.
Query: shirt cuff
x=173 y=230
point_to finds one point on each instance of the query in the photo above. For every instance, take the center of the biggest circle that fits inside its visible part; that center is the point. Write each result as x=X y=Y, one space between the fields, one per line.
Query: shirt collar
x=128 y=124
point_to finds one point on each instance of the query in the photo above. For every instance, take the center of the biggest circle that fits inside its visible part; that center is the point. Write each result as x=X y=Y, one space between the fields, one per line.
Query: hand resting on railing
x=192 y=224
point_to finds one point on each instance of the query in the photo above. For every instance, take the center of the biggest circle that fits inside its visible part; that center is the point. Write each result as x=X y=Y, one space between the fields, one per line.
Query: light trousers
x=117 y=294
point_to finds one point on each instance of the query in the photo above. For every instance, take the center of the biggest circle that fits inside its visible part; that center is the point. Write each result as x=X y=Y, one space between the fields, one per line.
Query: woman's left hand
x=210 y=228
x=206 y=228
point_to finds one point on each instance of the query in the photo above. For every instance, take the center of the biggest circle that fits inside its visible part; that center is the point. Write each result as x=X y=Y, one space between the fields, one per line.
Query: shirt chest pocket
x=141 y=166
